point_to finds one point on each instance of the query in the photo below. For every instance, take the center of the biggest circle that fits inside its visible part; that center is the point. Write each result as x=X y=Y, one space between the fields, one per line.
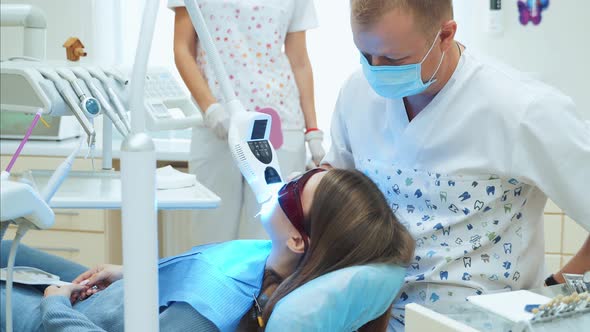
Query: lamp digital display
x=259 y=129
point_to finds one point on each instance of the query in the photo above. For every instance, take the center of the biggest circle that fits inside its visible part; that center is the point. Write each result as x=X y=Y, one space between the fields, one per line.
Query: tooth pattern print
x=468 y=229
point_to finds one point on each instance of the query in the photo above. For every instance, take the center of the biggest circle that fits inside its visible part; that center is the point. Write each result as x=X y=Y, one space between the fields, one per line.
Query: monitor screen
x=259 y=129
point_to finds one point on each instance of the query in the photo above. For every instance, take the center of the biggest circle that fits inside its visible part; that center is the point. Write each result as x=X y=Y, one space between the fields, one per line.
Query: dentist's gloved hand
x=314 y=141
x=217 y=119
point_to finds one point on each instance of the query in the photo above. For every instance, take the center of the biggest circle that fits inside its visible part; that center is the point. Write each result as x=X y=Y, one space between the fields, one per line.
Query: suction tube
x=20 y=233
x=60 y=174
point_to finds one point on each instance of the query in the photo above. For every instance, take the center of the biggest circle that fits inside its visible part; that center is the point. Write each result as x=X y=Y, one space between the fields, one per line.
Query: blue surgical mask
x=395 y=82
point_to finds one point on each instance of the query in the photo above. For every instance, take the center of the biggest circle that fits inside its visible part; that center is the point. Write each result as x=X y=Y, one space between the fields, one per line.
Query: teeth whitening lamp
x=249 y=132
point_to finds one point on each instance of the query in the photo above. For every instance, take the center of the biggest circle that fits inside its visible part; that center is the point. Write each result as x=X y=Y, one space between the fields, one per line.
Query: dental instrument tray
x=102 y=190
x=31 y=276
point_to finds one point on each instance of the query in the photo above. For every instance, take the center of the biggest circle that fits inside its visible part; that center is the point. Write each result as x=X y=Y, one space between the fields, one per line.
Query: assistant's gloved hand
x=217 y=119
x=314 y=141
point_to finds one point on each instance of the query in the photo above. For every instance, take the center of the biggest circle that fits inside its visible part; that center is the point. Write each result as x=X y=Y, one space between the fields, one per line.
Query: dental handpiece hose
x=118 y=106
x=20 y=233
x=72 y=102
x=106 y=106
x=24 y=141
x=123 y=81
x=60 y=174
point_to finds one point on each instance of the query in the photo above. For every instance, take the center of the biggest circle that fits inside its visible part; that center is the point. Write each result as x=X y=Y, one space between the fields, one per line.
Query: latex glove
x=314 y=141
x=98 y=278
x=217 y=119
x=69 y=291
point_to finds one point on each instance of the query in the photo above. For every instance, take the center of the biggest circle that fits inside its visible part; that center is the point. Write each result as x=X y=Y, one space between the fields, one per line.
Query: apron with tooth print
x=468 y=230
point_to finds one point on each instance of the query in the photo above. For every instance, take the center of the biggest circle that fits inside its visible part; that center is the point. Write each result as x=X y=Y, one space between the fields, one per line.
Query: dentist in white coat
x=466 y=151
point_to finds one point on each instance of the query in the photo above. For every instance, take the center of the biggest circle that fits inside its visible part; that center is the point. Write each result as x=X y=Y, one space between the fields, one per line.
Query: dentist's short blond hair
x=429 y=14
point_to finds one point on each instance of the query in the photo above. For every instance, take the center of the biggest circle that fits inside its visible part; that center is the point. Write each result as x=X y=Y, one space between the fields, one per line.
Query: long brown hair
x=350 y=223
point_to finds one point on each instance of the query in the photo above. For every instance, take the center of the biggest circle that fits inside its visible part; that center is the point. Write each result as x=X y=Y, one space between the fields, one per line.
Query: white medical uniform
x=470 y=175
x=250 y=36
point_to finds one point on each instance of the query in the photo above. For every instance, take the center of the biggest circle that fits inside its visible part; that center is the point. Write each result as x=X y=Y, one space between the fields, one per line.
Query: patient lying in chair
x=321 y=222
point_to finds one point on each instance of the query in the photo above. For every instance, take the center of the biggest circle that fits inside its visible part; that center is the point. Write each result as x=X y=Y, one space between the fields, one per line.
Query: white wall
x=161 y=53
x=333 y=55
x=108 y=28
x=557 y=50
x=69 y=18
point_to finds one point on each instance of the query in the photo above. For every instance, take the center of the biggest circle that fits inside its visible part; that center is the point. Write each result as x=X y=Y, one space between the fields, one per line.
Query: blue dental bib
x=217 y=280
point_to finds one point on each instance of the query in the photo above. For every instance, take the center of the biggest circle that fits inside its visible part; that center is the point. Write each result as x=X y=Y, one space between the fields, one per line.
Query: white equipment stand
x=138 y=175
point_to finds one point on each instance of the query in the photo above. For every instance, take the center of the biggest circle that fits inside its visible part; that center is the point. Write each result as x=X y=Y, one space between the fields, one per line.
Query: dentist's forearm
x=579 y=264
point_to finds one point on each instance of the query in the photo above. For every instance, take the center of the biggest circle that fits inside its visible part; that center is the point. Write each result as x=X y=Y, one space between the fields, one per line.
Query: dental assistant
x=466 y=150
x=250 y=36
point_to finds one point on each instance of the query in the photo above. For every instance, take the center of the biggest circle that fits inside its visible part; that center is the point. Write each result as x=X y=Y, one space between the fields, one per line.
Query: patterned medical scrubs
x=467 y=229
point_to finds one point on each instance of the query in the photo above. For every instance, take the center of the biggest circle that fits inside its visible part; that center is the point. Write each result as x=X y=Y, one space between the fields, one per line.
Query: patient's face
x=276 y=223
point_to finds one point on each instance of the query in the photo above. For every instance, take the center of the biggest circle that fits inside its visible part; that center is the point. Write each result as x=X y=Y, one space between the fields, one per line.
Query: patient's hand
x=98 y=278
x=71 y=291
